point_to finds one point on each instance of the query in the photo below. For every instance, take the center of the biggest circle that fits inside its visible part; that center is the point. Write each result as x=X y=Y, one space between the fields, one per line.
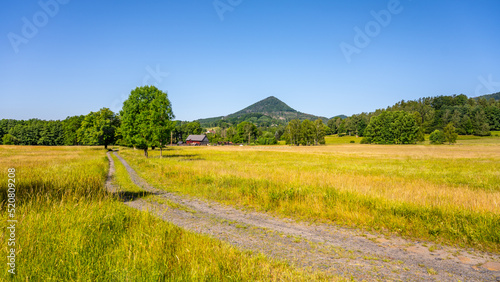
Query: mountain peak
x=270 y=104
x=270 y=110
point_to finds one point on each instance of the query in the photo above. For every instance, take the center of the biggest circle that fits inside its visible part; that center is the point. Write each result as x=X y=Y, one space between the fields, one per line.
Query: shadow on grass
x=178 y=156
x=185 y=157
x=127 y=196
x=191 y=159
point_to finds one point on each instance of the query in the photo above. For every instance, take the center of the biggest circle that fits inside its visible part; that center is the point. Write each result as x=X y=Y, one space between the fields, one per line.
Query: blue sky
x=61 y=58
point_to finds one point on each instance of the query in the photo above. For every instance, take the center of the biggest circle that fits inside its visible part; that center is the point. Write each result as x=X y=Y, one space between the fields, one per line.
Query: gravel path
x=350 y=253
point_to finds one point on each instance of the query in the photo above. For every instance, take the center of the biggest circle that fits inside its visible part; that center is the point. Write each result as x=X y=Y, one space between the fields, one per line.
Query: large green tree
x=247 y=131
x=146 y=118
x=98 y=128
x=332 y=124
x=319 y=131
x=161 y=121
x=293 y=132
x=307 y=132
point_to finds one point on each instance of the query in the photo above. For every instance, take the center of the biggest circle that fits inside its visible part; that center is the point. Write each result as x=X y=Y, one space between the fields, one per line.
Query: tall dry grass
x=448 y=194
x=70 y=229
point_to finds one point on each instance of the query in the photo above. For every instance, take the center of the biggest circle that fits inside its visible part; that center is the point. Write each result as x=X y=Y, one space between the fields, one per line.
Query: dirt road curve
x=332 y=249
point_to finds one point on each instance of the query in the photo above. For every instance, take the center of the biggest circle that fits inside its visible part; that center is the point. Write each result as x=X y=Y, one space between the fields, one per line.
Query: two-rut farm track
x=351 y=253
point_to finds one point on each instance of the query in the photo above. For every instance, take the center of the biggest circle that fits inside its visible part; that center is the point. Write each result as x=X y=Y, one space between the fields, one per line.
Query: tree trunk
x=106 y=146
x=161 y=150
x=146 y=152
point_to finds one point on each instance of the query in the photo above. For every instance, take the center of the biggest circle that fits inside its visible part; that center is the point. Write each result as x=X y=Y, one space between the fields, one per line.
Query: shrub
x=437 y=137
x=366 y=140
x=450 y=133
x=352 y=141
x=267 y=141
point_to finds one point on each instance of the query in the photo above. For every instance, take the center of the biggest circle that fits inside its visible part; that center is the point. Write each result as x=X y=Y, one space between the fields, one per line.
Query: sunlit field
x=461 y=140
x=70 y=229
x=446 y=193
x=335 y=140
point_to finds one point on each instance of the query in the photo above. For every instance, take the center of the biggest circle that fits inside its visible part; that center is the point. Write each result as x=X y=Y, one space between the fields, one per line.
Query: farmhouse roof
x=196 y=138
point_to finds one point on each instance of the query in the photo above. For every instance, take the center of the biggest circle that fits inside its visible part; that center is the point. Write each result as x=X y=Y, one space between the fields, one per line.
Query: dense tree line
x=146 y=121
x=397 y=127
x=35 y=132
x=96 y=128
x=243 y=133
x=470 y=116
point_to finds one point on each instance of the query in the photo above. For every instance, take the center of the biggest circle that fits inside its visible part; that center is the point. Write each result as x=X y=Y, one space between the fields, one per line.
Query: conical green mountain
x=270 y=110
x=269 y=105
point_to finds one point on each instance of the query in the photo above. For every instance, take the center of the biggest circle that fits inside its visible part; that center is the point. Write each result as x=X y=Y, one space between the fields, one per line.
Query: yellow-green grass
x=448 y=194
x=461 y=140
x=70 y=229
x=53 y=174
x=478 y=140
x=122 y=179
x=336 y=140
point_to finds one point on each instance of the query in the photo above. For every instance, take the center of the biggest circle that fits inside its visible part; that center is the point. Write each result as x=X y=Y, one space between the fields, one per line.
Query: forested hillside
x=267 y=112
x=269 y=105
x=468 y=115
x=495 y=96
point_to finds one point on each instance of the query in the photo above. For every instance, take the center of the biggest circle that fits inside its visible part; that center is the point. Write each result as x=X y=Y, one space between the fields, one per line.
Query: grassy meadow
x=461 y=140
x=447 y=194
x=70 y=229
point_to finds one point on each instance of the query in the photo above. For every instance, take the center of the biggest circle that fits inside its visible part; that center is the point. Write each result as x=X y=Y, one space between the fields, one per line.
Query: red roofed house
x=197 y=140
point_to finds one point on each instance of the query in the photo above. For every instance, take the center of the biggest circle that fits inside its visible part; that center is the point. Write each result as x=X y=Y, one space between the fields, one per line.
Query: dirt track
x=348 y=252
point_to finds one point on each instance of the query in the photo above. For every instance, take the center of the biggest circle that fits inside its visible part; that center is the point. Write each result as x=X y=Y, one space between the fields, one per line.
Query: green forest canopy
x=469 y=116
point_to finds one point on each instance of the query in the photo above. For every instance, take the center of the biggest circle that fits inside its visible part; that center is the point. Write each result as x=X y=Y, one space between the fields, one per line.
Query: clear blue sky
x=86 y=55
